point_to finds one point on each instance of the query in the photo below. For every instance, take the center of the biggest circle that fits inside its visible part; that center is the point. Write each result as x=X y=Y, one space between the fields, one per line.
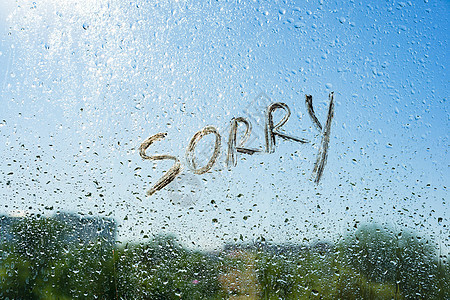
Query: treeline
x=371 y=263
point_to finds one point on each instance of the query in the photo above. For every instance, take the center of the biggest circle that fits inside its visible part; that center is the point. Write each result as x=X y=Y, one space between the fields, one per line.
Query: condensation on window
x=224 y=150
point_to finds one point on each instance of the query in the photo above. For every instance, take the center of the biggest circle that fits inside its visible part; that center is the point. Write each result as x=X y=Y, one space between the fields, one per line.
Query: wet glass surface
x=224 y=150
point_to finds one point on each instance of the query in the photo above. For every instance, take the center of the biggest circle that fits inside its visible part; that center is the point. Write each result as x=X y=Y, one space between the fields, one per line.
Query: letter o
x=191 y=147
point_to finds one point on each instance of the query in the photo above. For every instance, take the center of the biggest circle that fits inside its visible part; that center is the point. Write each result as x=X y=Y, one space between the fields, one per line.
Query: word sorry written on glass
x=271 y=131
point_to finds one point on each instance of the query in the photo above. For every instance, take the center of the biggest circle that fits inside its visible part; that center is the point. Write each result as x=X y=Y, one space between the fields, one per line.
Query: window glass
x=224 y=149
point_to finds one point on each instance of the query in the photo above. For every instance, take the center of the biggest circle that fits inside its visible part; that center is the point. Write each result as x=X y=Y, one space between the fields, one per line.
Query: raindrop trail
x=8 y=67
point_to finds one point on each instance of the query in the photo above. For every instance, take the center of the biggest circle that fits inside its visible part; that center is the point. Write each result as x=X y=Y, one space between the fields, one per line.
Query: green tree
x=163 y=269
x=403 y=258
x=30 y=257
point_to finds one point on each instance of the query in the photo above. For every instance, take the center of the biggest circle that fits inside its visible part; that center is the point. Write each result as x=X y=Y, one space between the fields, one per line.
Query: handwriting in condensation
x=271 y=132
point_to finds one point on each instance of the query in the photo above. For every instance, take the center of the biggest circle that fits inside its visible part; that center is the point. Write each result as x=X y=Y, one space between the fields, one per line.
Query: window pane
x=222 y=149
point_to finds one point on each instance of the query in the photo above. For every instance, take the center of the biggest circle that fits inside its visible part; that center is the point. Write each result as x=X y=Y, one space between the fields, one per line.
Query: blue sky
x=84 y=84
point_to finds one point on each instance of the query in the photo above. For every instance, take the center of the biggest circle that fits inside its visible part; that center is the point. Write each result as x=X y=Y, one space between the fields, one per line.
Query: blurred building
x=84 y=230
x=6 y=233
x=79 y=230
